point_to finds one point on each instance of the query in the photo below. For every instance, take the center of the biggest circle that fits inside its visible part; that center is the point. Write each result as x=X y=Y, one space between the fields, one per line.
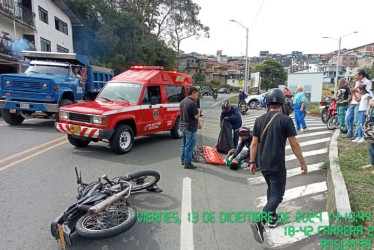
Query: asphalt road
x=37 y=182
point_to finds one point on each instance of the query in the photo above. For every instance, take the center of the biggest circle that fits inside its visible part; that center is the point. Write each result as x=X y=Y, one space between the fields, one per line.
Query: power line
x=258 y=13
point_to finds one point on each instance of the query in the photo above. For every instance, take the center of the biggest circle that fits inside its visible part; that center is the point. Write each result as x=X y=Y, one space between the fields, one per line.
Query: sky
x=282 y=26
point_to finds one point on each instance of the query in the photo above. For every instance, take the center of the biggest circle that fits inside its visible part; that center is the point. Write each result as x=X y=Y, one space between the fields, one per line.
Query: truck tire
x=63 y=102
x=10 y=118
x=176 y=132
x=79 y=143
x=122 y=139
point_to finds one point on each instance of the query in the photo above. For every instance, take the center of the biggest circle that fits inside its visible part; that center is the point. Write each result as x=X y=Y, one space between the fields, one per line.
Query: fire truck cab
x=140 y=101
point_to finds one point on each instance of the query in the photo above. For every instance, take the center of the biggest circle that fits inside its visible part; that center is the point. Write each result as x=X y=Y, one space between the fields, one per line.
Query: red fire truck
x=140 y=101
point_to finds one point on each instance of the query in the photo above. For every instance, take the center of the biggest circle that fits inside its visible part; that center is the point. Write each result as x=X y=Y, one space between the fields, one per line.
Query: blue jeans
x=189 y=142
x=351 y=117
x=299 y=116
x=360 y=123
x=371 y=147
x=276 y=182
x=341 y=114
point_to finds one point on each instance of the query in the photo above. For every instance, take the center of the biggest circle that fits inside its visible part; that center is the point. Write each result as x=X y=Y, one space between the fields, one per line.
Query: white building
x=43 y=25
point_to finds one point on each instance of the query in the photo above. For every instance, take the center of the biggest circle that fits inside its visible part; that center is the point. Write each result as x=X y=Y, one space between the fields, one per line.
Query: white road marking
x=276 y=238
x=296 y=192
x=186 y=242
x=313 y=134
x=290 y=173
x=312 y=142
x=308 y=153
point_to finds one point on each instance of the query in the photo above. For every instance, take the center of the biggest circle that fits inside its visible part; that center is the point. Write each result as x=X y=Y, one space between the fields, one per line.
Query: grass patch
x=359 y=182
x=313 y=108
x=234 y=100
x=326 y=91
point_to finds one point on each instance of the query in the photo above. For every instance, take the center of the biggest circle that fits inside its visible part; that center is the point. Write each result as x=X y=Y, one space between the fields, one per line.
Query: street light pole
x=246 y=56
x=337 y=62
x=337 y=69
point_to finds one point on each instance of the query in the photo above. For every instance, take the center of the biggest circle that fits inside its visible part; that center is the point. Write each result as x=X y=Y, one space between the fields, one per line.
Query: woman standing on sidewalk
x=299 y=104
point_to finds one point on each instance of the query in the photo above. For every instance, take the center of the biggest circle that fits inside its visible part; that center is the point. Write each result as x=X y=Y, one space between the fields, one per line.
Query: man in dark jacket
x=231 y=113
x=241 y=96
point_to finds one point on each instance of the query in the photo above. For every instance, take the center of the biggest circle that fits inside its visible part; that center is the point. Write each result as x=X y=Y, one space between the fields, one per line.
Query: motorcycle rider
x=241 y=96
x=231 y=113
x=238 y=156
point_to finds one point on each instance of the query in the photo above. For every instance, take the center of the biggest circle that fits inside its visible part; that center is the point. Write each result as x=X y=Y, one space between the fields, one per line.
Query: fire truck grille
x=79 y=117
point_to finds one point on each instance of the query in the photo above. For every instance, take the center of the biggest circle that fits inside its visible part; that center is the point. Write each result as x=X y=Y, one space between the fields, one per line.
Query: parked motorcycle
x=332 y=117
x=102 y=208
x=324 y=110
x=243 y=107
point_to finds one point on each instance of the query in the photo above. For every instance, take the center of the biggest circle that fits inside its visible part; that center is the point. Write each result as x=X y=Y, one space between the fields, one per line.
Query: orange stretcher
x=212 y=156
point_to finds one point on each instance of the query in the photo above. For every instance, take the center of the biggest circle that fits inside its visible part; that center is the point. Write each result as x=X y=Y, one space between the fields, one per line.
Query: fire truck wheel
x=79 y=143
x=12 y=118
x=122 y=139
x=176 y=132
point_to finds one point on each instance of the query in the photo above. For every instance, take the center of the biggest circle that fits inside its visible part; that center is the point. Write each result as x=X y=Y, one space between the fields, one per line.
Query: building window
x=43 y=15
x=61 y=26
x=45 y=44
x=62 y=49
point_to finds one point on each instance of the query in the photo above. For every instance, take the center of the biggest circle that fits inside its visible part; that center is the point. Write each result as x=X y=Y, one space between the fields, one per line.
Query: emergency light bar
x=147 y=67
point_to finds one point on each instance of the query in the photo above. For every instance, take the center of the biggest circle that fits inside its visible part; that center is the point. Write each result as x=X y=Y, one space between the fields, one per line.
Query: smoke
x=21 y=44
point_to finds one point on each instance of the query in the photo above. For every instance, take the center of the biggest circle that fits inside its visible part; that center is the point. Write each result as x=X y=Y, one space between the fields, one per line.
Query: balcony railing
x=16 y=11
x=13 y=47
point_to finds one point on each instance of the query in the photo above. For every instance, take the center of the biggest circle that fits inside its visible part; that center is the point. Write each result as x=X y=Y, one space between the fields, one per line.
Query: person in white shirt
x=352 y=112
x=364 y=105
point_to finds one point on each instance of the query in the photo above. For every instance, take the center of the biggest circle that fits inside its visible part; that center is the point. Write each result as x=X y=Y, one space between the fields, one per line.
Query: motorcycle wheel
x=143 y=179
x=324 y=116
x=117 y=219
x=331 y=122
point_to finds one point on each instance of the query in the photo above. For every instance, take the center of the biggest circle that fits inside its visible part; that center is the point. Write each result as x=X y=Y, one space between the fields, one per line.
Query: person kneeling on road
x=239 y=157
x=231 y=113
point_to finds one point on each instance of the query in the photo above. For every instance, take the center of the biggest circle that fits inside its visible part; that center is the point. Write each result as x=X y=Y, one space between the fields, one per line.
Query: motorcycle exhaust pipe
x=101 y=206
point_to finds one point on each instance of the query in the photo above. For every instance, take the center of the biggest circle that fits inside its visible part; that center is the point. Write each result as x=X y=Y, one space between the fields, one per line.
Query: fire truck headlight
x=100 y=120
x=8 y=83
x=45 y=86
x=64 y=115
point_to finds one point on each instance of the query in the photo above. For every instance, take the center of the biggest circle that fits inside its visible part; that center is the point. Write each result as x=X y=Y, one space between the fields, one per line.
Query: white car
x=252 y=100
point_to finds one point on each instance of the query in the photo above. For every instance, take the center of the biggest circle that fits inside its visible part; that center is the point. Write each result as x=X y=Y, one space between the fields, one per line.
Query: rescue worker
x=231 y=113
x=241 y=96
x=238 y=155
x=270 y=133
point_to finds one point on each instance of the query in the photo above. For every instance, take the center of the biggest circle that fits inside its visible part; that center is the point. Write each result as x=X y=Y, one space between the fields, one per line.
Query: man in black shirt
x=342 y=99
x=189 y=115
x=270 y=133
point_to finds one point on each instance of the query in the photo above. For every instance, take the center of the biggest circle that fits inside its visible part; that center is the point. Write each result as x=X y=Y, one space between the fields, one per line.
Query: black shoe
x=182 y=162
x=348 y=136
x=189 y=166
x=353 y=138
x=258 y=231
x=275 y=222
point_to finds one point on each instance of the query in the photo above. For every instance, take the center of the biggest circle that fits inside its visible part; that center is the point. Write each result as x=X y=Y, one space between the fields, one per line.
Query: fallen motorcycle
x=102 y=208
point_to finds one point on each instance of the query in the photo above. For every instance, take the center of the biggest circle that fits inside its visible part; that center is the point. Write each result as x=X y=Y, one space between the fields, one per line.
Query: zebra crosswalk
x=314 y=144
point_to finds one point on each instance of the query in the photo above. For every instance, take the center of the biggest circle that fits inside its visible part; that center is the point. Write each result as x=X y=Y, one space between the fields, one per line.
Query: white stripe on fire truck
x=121 y=110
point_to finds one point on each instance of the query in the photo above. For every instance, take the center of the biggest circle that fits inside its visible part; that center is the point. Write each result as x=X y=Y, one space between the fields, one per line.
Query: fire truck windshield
x=120 y=91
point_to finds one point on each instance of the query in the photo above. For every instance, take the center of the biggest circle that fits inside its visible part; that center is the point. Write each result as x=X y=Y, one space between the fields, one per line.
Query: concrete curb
x=338 y=199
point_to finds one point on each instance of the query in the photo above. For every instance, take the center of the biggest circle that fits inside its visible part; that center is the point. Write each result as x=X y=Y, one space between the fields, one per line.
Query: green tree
x=272 y=73
x=215 y=83
x=370 y=71
x=198 y=78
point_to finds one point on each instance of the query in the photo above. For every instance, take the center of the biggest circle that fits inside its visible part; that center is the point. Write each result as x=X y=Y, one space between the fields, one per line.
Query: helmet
x=197 y=87
x=275 y=96
x=241 y=90
x=234 y=166
x=226 y=106
x=244 y=131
